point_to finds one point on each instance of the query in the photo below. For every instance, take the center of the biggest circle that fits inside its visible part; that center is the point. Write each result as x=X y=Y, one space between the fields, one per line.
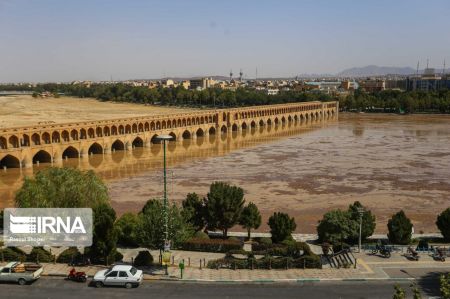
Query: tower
x=231 y=75
x=240 y=75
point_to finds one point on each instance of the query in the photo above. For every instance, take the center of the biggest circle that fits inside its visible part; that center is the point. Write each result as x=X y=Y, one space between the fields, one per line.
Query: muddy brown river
x=388 y=162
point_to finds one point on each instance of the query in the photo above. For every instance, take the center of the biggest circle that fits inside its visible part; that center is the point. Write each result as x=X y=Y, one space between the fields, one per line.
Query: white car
x=119 y=275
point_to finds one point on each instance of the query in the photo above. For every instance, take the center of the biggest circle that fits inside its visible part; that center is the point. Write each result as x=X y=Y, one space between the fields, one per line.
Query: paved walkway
x=369 y=267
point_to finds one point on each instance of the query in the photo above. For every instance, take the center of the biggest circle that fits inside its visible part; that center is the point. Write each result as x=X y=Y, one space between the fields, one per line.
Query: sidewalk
x=369 y=267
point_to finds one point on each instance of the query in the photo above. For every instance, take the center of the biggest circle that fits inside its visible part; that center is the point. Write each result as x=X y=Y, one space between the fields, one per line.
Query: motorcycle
x=439 y=254
x=77 y=276
x=383 y=250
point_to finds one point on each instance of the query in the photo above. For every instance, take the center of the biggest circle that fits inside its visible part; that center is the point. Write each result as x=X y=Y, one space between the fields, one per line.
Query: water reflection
x=122 y=164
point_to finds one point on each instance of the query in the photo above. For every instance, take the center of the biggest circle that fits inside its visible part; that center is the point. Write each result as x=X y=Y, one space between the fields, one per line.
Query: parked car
x=20 y=273
x=119 y=275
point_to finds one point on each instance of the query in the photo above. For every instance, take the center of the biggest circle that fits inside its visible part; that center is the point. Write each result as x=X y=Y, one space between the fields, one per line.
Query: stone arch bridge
x=25 y=146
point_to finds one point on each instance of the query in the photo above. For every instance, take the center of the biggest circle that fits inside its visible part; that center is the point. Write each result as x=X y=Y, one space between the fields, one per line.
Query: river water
x=388 y=162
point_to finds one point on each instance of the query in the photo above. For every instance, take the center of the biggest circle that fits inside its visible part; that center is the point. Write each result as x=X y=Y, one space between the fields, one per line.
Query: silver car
x=119 y=275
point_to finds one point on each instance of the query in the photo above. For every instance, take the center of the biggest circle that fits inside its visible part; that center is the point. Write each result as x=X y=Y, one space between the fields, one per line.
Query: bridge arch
x=106 y=131
x=174 y=136
x=36 y=139
x=65 y=135
x=74 y=134
x=70 y=152
x=3 y=143
x=99 y=132
x=146 y=127
x=186 y=134
x=25 y=140
x=91 y=133
x=200 y=132
x=121 y=129
x=244 y=125
x=14 y=141
x=138 y=142
x=155 y=139
x=9 y=161
x=83 y=134
x=212 y=131
x=95 y=148
x=141 y=127
x=117 y=145
x=42 y=156
x=127 y=129
x=261 y=123
x=234 y=127
x=253 y=124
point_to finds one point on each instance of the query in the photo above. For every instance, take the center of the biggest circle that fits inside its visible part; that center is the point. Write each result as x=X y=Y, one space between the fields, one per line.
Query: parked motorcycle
x=77 y=276
x=439 y=254
x=383 y=250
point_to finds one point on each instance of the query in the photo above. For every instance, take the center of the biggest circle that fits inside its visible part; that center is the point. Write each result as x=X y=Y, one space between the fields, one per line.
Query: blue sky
x=51 y=40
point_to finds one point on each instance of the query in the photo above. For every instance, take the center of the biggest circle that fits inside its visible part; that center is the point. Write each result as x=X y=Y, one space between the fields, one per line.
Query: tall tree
x=223 y=206
x=336 y=227
x=127 y=229
x=104 y=236
x=443 y=223
x=250 y=218
x=62 y=188
x=151 y=229
x=193 y=211
x=281 y=226
x=400 y=229
x=368 y=220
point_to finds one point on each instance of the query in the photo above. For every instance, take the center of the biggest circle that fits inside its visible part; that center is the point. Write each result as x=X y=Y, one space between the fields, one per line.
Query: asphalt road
x=59 y=288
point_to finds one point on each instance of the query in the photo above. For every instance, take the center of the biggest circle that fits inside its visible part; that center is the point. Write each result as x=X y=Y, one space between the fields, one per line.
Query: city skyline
x=52 y=41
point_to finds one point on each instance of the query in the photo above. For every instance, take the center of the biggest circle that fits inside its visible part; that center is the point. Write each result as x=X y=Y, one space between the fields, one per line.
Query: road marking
x=364 y=264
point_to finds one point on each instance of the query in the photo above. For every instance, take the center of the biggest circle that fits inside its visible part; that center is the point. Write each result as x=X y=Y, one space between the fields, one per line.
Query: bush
x=143 y=259
x=39 y=254
x=400 y=229
x=127 y=230
x=281 y=226
x=211 y=245
x=201 y=235
x=264 y=240
x=266 y=262
x=12 y=254
x=443 y=223
x=69 y=255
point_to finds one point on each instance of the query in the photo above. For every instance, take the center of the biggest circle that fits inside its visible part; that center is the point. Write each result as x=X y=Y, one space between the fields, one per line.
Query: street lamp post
x=360 y=212
x=165 y=138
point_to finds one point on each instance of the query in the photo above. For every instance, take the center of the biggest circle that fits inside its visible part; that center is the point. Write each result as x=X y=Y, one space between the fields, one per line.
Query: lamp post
x=360 y=212
x=165 y=138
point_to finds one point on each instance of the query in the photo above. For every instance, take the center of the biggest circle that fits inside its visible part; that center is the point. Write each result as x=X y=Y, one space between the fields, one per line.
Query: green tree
x=416 y=292
x=62 y=188
x=223 y=206
x=400 y=229
x=104 y=236
x=444 y=281
x=250 y=218
x=443 y=223
x=281 y=226
x=151 y=229
x=193 y=211
x=399 y=293
x=127 y=229
x=368 y=221
x=337 y=227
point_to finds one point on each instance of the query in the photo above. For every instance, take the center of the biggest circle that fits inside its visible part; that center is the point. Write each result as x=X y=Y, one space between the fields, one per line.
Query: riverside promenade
x=369 y=268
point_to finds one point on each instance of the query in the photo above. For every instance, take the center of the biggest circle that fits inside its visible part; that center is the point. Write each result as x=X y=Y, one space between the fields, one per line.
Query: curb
x=262 y=281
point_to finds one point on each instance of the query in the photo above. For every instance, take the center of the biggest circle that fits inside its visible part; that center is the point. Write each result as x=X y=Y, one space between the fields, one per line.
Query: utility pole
x=165 y=138
x=360 y=212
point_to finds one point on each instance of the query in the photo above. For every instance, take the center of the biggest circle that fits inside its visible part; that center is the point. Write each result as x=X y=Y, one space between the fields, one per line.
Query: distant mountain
x=373 y=70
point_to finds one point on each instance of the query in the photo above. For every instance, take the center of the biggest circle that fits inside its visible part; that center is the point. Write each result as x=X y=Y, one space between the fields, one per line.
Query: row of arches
x=25 y=140
x=275 y=111
x=44 y=156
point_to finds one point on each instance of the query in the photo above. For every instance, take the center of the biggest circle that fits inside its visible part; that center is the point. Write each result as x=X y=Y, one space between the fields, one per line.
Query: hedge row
x=267 y=262
x=10 y=254
x=211 y=245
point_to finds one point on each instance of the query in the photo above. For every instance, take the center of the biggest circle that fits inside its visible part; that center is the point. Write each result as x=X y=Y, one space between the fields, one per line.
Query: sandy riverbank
x=24 y=110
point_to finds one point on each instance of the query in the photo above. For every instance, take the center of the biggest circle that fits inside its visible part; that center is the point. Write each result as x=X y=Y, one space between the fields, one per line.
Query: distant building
x=429 y=81
x=272 y=91
x=202 y=83
x=372 y=85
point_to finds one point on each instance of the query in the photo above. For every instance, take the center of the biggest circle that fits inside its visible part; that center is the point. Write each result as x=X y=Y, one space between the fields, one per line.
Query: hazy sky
x=59 y=40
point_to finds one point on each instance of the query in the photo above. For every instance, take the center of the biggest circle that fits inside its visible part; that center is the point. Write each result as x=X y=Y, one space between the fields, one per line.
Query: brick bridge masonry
x=25 y=146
